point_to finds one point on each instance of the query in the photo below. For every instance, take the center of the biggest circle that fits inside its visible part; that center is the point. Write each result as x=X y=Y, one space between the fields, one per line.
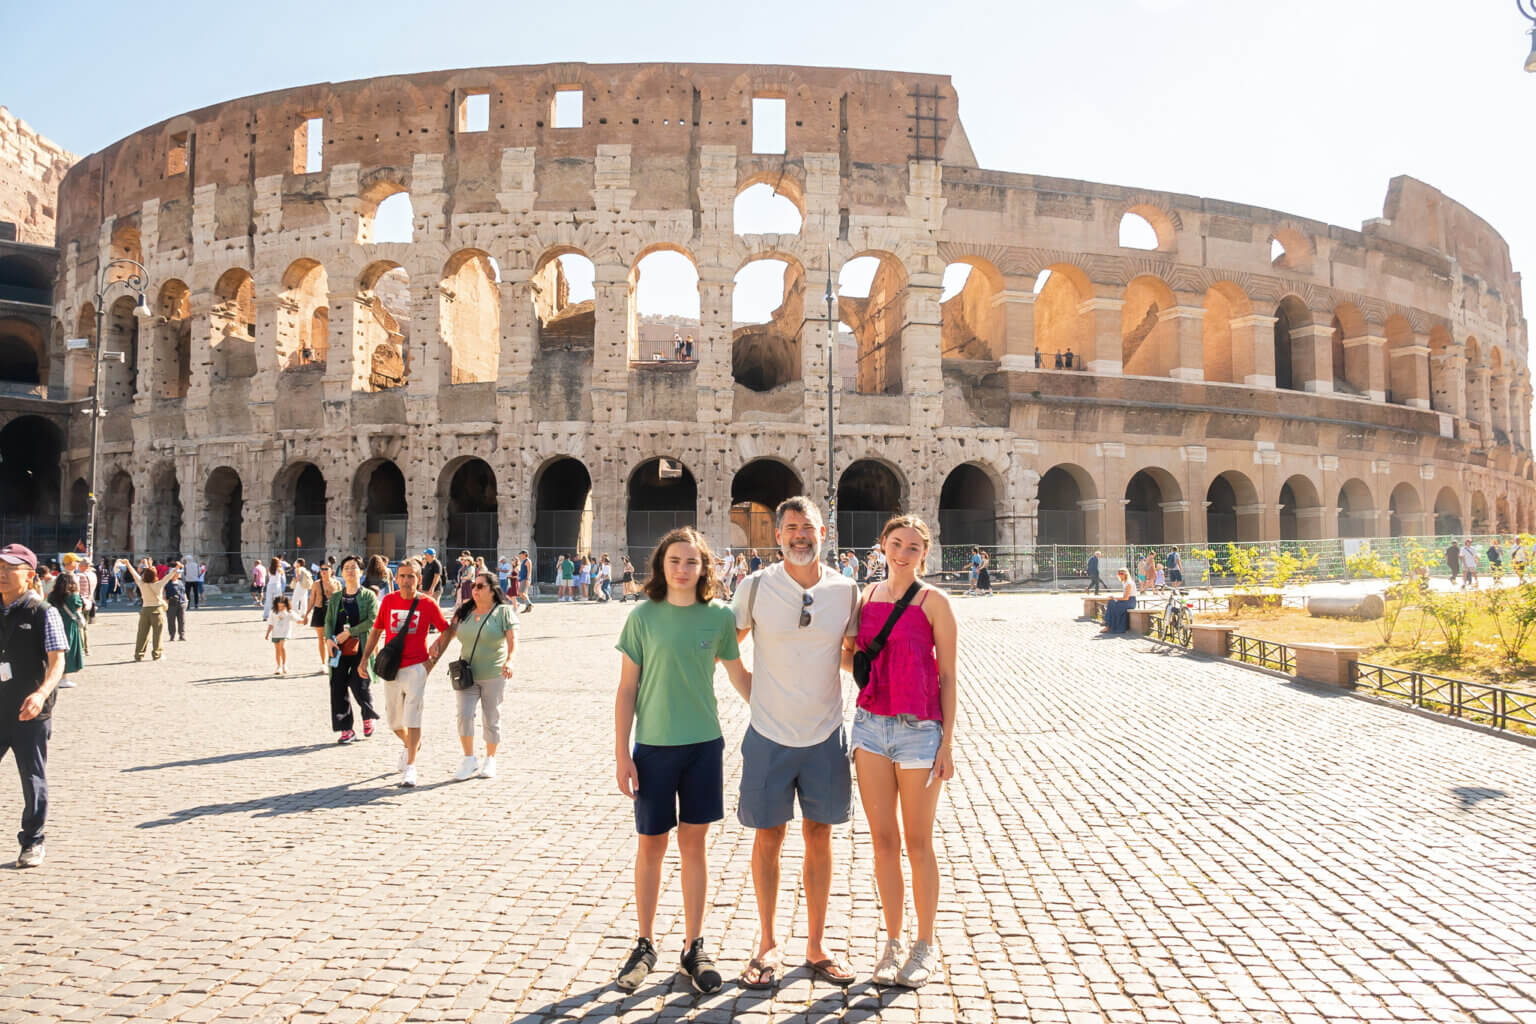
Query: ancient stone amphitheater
x=1240 y=374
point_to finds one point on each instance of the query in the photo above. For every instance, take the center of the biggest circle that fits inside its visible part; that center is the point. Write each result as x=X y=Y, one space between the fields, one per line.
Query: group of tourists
x=1464 y=562
x=808 y=622
x=1148 y=572
x=589 y=578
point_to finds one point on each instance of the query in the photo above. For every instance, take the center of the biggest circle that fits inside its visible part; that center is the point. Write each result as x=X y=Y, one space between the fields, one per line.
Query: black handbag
x=864 y=659
x=459 y=673
x=386 y=664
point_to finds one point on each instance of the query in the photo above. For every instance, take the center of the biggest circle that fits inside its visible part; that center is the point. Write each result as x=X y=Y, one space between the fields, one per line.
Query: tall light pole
x=136 y=281
x=831 y=415
x=1528 y=8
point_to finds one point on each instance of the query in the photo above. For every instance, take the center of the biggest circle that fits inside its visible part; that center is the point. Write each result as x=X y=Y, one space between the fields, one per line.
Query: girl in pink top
x=901 y=741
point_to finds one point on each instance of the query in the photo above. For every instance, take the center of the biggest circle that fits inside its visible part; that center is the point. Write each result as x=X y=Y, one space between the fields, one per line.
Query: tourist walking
x=151 y=610
x=486 y=628
x=175 y=594
x=666 y=701
x=279 y=629
x=33 y=646
x=566 y=575
x=1468 y=565
x=603 y=589
x=1520 y=558
x=524 y=578
x=1453 y=561
x=1175 y=565
x=412 y=613
x=350 y=613
x=464 y=579
x=627 y=585
x=195 y=586
x=320 y=592
x=377 y=578
x=1495 y=561
x=504 y=576
x=258 y=584
x=277 y=585
x=65 y=595
x=1095 y=581
x=799 y=613
x=902 y=737
x=431 y=575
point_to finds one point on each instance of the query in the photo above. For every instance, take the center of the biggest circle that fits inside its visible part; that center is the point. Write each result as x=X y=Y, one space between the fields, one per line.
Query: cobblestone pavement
x=1132 y=836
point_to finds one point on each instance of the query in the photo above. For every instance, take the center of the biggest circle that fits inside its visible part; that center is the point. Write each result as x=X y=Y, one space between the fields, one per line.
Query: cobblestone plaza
x=1132 y=835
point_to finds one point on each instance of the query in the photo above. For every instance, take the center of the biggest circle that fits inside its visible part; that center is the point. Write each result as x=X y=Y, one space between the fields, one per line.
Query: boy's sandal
x=764 y=971
x=835 y=971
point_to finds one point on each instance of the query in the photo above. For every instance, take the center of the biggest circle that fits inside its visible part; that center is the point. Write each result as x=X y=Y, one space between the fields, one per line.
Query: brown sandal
x=835 y=971
x=765 y=969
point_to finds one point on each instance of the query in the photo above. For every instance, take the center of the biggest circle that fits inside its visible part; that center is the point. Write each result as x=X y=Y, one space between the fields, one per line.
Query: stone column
x=1018 y=301
x=1498 y=401
x=1101 y=352
x=716 y=386
x=264 y=383
x=1253 y=350
x=426 y=357
x=518 y=334
x=1477 y=395
x=1365 y=360
x=1312 y=358
x=1410 y=375
x=922 y=375
x=1187 y=360
x=610 y=356
x=346 y=351
x=200 y=319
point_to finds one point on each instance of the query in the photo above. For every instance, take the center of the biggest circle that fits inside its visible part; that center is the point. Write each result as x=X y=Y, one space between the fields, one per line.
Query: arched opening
x=1357 y=511
x=1351 y=357
x=392 y=218
x=24 y=279
x=768 y=309
x=562 y=290
x=967 y=510
x=384 y=316
x=663 y=302
x=303 y=317
x=233 y=319
x=1447 y=513
x=1153 y=509
x=120 y=375
x=381 y=495
x=1291 y=315
x=172 y=370
x=1441 y=396
x=469 y=317
x=471 y=510
x=1065 y=498
x=300 y=492
x=114 y=514
x=756 y=490
x=1402 y=385
x=162 y=530
x=562 y=515
x=21 y=351
x=1224 y=359
x=1063 y=331
x=971 y=318
x=872 y=305
x=868 y=493
x=30 y=454
x=1231 y=509
x=126 y=244
x=1136 y=232
x=1501 y=515
x=1289 y=249
x=1300 y=510
x=1149 y=340
x=1403 y=509
x=223 y=516
x=79 y=499
x=760 y=210
x=662 y=497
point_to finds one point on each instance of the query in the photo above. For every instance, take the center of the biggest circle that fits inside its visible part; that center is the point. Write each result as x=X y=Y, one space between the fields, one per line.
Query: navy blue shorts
x=684 y=783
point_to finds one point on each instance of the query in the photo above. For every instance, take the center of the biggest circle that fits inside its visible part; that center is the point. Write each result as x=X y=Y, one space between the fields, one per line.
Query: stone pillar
x=1410 y=375
x=423 y=528
x=1101 y=341
x=1187 y=360
x=425 y=359
x=1498 y=400
x=1448 y=392
x=1018 y=301
x=610 y=355
x=346 y=350
x=716 y=386
x=1097 y=533
x=922 y=375
x=200 y=383
x=1477 y=395
x=264 y=383
x=1312 y=358
x=518 y=331
x=1365 y=364
x=1253 y=350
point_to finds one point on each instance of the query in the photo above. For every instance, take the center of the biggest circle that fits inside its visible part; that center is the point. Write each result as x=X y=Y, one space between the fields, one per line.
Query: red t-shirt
x=392 y=612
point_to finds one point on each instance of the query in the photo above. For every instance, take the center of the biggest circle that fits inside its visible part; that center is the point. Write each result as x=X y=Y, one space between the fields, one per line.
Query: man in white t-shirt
x=798 y=612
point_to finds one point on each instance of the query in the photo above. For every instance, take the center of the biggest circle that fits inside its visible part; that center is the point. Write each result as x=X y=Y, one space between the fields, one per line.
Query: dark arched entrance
x=162 y=531
x=30 y=450
x=756 y=491
x=224 y=504
x=868 y=493
x=471 y=511
x=967 y=510
x=300 y=491
x=562 y=515
x=114 y=516
x=662 y=497
x=385 y=515
x=1061 y=518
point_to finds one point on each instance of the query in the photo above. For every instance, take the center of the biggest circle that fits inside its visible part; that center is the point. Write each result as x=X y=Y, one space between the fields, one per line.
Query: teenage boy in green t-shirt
x=670 y=644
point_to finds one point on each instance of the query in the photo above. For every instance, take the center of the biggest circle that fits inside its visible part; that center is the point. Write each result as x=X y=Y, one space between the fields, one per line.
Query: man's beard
x=801 y=556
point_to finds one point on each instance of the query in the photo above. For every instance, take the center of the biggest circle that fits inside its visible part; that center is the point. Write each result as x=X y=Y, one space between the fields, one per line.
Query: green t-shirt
x=676 y=648
x=491 y=651
x=567 y=568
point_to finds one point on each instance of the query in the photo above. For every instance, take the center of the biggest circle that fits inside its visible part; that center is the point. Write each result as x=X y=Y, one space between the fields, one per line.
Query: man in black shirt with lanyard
x=32 y=646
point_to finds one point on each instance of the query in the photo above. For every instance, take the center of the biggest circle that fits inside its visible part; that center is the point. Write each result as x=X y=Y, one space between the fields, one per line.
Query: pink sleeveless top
x=904 y=679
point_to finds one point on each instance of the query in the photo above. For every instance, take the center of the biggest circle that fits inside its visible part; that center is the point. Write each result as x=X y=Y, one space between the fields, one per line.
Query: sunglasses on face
x=479 y=586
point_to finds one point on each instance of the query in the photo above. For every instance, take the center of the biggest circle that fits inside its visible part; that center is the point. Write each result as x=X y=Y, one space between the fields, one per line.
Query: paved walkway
x=1132 y=836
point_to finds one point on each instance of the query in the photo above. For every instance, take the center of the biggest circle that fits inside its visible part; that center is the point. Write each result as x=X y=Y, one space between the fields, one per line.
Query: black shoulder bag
x=386 y=664
x=864 y=659
x=459 y=673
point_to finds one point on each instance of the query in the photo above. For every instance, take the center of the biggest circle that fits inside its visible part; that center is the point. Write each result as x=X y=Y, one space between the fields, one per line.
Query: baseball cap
x=15 y=554
x=431 y=551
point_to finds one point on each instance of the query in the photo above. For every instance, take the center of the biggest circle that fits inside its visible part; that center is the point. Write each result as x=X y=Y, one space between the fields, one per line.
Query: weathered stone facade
x=31 y=168
x=1366 y=381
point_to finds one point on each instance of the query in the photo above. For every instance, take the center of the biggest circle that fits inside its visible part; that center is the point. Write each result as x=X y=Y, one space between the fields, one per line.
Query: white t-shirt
x=282 y=625
x=797 y=689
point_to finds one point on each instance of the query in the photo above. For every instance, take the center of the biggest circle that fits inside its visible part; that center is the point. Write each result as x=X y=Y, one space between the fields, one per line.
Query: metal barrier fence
x=1476 y=702
x=1263 y=653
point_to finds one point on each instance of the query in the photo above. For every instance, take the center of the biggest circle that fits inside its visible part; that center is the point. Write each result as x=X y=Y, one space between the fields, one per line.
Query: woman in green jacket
x=349 y=615
x=65 y=596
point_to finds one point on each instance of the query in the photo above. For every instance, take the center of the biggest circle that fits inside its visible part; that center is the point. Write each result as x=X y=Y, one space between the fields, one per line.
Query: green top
x=490 y=652
x=567 y=568
x=367 y=605
x=676 y=649
x=74 y=632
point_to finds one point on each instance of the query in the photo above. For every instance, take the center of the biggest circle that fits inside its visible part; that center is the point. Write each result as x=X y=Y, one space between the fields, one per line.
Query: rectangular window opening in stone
x=309 y=146
x=176 y=156
x=768 y=115
x=475 y=111
x=567 y=112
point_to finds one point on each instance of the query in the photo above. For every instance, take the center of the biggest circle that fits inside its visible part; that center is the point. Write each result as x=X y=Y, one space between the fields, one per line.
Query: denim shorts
x=905 y=740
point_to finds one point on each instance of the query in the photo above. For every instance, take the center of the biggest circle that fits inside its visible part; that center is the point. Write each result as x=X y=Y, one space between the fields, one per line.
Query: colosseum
x=1011 y=362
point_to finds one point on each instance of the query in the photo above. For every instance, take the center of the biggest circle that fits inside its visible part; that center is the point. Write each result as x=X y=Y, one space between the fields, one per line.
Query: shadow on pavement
x=829 y=1003
x=293 y=803
x=1471 y=796
x=248 y=755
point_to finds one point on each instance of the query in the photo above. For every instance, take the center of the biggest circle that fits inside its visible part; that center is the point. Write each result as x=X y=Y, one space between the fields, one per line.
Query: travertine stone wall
x=31 y=168
x=1362 y=379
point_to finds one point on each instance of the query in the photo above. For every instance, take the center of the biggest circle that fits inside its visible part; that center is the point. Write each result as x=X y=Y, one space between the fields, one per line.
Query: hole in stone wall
x=177 y=155
x=475 y=112
x=768 y=124
x=309 y=146
x=664 y=304
x=1136 y=232
x=759 y=210
x=394 y=220
x=567 y=107
x=768 y=316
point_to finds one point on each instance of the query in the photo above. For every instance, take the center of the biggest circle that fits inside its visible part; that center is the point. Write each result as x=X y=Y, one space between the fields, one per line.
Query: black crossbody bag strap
x=877 y=643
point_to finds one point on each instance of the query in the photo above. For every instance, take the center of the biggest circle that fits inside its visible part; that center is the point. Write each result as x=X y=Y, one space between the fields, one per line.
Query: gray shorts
x=772 y=774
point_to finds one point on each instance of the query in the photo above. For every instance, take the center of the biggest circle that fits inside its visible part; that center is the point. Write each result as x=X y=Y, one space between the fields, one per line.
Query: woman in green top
x=486 y=627
x=349 y=615
x=670 y=644
x=65 y=596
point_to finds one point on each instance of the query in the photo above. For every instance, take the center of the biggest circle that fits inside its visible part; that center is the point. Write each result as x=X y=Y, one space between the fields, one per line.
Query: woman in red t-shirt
x=404 y=695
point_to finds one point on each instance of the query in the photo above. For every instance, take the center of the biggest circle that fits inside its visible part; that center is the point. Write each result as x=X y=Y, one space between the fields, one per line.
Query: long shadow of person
x=343 y=795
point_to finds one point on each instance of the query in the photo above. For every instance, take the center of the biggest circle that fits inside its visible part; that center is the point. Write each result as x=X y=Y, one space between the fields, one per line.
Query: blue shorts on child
x=683 y=783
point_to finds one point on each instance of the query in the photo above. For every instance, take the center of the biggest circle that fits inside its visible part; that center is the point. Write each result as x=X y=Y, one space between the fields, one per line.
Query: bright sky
x=1307 y=107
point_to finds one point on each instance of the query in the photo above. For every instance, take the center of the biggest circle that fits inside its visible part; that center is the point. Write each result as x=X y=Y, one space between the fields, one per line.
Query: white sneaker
x=467 y=768
x=889 y=965
x=32 y=856
x=408 y=776
x=404 y=757
x=488 y=769
x=66 y=684
x=920 y=967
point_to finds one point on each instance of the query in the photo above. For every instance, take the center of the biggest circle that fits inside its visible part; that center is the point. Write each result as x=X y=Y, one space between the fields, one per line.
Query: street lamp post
x=831 y=415
x=136 y=281
x=1528 y=8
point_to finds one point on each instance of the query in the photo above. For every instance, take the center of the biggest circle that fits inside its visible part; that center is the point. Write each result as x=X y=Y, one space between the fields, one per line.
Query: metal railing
x=1263 y=653
x=1475 y=702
